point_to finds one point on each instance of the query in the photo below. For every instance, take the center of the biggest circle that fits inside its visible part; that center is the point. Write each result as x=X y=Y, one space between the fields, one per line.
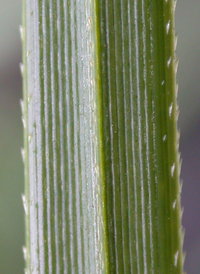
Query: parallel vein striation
x=140 y=136
x=102 y=187
x=66 y=231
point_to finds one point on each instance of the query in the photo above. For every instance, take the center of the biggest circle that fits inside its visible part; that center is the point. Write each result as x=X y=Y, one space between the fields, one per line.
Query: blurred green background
x=11 y=136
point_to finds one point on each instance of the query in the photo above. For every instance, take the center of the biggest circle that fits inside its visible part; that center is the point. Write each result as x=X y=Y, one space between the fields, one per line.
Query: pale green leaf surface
x=102 y=188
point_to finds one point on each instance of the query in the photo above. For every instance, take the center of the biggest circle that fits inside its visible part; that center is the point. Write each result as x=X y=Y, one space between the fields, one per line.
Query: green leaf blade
x=63 y=188
x=102 y=185
x=140 y=136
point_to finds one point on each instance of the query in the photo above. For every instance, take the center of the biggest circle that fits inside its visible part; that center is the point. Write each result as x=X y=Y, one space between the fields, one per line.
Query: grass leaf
x=102 y=191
